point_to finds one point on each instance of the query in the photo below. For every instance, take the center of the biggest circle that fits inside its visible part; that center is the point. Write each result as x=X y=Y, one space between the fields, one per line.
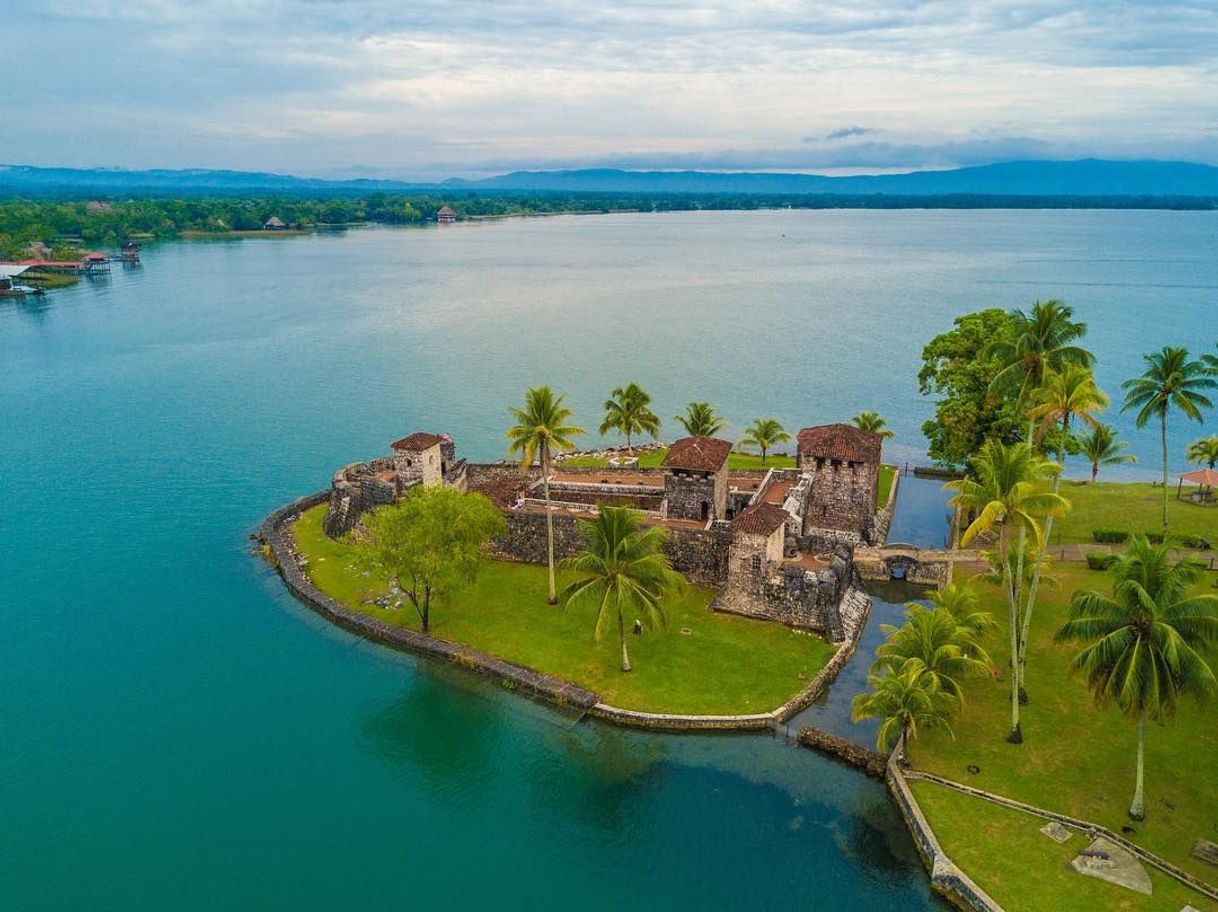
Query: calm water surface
x=175 y=732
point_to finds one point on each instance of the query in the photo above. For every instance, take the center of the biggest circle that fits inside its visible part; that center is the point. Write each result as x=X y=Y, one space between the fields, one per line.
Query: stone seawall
x=870 y=762
x=945 y=877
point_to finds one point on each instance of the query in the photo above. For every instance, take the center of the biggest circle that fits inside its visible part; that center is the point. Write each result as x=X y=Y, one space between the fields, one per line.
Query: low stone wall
x=513 y=677
x=945 y=877
x=677 y=722
x=854 y=610
x=882 y=521
x=870 y=762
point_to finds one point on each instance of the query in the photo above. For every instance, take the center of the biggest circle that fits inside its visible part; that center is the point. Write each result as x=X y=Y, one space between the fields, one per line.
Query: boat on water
x=10 y=288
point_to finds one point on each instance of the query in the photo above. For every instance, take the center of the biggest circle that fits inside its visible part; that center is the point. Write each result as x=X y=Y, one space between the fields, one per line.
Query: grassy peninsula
x=723 y=665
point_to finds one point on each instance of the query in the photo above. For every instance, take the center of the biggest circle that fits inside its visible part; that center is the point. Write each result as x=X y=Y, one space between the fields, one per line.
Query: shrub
x=1109 y=536
x=1155 y=538
x=1100 y=560
x=1196 y=541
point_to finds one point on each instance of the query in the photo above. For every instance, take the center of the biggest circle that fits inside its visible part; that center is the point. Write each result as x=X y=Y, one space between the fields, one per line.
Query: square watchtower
x=695 y=478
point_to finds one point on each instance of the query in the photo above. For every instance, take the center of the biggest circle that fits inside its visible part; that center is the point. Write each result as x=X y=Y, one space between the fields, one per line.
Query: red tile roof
x=761 y=519
x=840 y=441
x=702 y=454
x=416 y=442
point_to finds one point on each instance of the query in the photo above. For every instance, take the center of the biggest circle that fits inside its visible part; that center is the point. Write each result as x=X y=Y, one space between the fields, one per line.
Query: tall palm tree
x=1146 y=641
x=1044 y=340
x=1066 y=393
x=907 y=702
x=1171 y=379
x=763 y=433
x=700 y=420
x=623 y=568
x=539 y=431
x=1204 y=451
x=1006 y=496
x=1099 y=446
x=931 y=640
x=628 y=412
x=960 y=600
x=874 y=422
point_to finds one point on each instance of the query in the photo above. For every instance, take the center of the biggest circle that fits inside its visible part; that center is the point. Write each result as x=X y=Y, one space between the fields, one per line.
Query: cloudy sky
x=433 y=89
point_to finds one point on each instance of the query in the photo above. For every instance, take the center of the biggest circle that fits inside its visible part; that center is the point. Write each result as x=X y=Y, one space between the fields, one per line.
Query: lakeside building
x=446 y=215
x=274 y=223
x=777 y=544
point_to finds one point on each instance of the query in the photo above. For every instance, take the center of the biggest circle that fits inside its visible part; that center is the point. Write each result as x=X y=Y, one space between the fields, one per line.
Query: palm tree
x=1066 y=393
x=961 y=602
x=1146 y=641
x=1171 y=379
x=907 y=702
x=623 y=568
x=539 y=431
x=872 y=421
x=700 y=420
x=627 y=411
x=1006 y=495
x=932 y=641
x=1204 y=451
x=763 y=433
x=1099 y=446
x=1044 y=340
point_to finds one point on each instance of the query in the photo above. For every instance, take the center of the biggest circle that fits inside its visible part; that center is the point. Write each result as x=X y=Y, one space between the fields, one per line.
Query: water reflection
x=922 y=516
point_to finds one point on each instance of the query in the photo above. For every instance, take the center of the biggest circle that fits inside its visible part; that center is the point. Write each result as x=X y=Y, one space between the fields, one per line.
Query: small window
x=705 y=511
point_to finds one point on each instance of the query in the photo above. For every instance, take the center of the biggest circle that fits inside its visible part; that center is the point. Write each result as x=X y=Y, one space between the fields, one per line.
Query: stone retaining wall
x=945 y=877
x=882 y=521
x=870 y=762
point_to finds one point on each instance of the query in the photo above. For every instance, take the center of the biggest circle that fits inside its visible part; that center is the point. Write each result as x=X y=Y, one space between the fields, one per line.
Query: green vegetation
x=1129 y=508
x=1143 y=642
x=1204 y=452
x=959 y=367
x=1078 y=759
x=430 y=543
x=1171 y=380
x=539 y=431
x=1100 y=447
x=628 y=411
x=874 y=422
x=700 y=420
x=883 y=488
x=724 y=664
x=1005 y=497
x=622 y=572
x=764 y=433
x=1004 y=851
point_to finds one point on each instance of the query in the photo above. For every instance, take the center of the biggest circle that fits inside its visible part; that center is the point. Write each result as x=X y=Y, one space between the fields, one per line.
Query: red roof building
x=698 y=454
x=843 y=442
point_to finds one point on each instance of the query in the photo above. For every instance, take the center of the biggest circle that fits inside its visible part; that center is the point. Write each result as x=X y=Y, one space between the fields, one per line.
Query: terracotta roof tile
x=505 y=490
x=761 y=519
x=703 y=454
x=840 y=441
x=420 y=440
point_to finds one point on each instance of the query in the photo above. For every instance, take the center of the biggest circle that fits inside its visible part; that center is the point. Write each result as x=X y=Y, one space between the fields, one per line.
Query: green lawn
x=1077 y=759
x=884 y=485
x=1129 y=507
x=723 y=665
x=1004 y=852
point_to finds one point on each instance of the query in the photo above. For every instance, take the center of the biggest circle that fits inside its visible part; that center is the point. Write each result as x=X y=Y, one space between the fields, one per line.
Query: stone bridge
x=923 y=566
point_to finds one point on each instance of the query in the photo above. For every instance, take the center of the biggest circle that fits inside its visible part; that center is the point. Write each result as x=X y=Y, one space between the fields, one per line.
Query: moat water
x=176 y=732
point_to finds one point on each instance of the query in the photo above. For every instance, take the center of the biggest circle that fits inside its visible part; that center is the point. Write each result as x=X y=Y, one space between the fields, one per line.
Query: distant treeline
x=63 y=225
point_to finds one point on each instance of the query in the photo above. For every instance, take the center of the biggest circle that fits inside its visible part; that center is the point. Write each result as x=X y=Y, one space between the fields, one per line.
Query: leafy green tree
x=906 y=702
x=622 y=569
x=1204 y=451
x=1146 y=641
x=958 y=369
x=1171 y=380
x=1100 y=447
x=430 y=543
x=540 y=430
x=960 y=600
x=932 y=641
x=874 y=422
x=1006 y=495
x=763 y=433
x=700 y=420
x=628 y=412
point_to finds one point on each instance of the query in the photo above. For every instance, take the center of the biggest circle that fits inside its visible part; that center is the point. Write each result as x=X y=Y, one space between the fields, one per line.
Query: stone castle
x=776 y=544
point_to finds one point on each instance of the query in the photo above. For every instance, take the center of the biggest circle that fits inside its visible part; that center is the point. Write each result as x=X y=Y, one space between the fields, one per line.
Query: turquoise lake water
x=177 y=733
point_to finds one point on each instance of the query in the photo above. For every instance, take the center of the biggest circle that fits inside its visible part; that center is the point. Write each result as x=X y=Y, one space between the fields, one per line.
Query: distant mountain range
x=1087 y=177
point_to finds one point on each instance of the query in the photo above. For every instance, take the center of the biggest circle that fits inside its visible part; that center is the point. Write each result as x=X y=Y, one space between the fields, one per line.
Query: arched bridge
x=902 y=561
